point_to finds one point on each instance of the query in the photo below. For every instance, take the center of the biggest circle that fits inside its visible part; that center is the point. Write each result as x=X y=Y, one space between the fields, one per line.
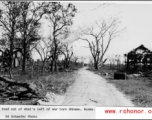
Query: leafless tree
x=75 y=59
x=67 y=51
x=43 y=48
x=60 y=18
x=99 y=37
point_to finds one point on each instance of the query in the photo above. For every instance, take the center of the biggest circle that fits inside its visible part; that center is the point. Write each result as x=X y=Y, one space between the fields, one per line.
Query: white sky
x=137 y=18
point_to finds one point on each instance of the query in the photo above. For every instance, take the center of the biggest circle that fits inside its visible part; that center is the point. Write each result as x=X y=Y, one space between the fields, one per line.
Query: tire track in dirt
x=91 y=89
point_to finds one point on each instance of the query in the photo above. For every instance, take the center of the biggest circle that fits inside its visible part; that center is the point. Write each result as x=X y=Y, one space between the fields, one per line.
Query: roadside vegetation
x=53 y=82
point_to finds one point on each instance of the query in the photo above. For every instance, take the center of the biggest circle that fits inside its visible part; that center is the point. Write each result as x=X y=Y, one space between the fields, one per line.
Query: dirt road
x=91 y=89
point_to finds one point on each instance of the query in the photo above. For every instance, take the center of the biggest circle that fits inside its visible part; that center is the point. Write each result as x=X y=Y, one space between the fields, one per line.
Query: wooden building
x=17 y=57
x=139 y=59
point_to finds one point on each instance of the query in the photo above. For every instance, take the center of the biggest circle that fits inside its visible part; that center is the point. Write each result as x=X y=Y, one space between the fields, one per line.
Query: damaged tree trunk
x=26 y=88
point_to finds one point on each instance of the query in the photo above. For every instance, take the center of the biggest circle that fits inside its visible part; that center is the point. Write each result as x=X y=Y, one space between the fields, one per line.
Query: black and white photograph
x=76 y=53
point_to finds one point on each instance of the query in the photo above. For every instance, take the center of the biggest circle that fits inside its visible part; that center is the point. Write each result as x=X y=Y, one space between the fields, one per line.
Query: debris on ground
x=14 y=90
x=93 y=100
x=51 y=99
x=140 y=100
x=131 y=76
x=68 y=70
x=22 y=90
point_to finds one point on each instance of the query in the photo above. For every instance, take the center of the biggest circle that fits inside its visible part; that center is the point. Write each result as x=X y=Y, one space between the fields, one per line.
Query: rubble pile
x=13 y=90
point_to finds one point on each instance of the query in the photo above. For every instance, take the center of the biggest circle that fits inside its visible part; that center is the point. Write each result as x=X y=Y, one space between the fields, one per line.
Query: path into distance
x=92 y=90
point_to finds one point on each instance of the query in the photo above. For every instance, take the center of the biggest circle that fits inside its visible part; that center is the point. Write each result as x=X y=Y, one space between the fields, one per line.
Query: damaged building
x=139 y=59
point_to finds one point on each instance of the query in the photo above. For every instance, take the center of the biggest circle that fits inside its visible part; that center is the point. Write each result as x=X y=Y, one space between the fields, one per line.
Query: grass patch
x=59 y=82
x=138 y=90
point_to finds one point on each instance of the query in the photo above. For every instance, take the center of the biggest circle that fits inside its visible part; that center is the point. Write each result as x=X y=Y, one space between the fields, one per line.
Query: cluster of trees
x=20 y=23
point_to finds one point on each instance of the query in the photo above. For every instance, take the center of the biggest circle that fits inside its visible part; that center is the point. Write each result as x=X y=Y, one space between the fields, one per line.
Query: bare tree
x=43 y=48
x=67 y=51
x=75 y=59
x=97 y=42
x=60 y=18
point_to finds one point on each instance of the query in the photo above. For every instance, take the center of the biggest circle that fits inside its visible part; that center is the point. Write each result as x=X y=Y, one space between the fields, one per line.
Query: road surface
x=91 y=89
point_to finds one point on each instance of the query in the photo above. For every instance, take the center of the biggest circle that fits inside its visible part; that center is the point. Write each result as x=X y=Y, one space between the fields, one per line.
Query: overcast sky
x=137 y=18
